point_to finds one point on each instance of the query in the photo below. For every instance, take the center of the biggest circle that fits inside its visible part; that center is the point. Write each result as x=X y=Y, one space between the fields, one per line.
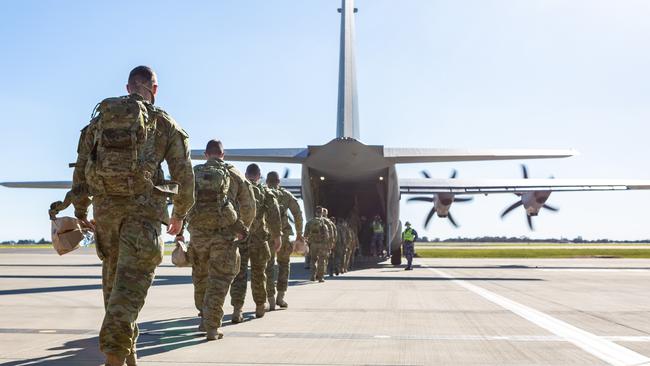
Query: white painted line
x=592 y=270
x=382 y=336
x=599 y=347
x=267 y=335
x=47 y=331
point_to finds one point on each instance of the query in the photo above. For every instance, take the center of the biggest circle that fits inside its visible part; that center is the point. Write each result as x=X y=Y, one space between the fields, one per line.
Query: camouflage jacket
x=170 y=145
x=318 y=232
x=332 y=231
x=287 y=201
x=267 y=219
x=241 y=194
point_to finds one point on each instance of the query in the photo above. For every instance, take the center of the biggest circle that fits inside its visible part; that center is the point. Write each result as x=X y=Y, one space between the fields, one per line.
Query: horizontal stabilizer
x=489 y=186
x=280 y=155
x=429 y=155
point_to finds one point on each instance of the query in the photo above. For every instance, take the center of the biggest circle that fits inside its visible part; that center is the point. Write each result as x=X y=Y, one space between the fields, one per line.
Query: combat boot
x=280 y=300
x=213 y=334
x=202 y=326
x=259 y=310
x=236 y=315
x=271 y=303
x=131 y=360
x=114 y=360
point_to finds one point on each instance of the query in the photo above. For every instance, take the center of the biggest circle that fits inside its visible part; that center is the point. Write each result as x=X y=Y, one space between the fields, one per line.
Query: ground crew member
x=377 y=242
x=119 y=164
x=267 y=225
x=317 y=232
x=224 y=211
x=409 y=236
x=287 y=202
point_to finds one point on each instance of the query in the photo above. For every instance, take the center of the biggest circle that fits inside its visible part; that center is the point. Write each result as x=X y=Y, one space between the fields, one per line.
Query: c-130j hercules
x=347 y=176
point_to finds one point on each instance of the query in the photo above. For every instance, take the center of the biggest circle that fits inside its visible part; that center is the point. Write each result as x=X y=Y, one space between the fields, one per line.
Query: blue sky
x=458 y=74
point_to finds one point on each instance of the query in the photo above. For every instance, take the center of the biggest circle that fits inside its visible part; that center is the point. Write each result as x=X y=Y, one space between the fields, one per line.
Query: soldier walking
x=223 y=213
x=267 y=225
x=317 y=232
x=287 y=201
x=119 y=164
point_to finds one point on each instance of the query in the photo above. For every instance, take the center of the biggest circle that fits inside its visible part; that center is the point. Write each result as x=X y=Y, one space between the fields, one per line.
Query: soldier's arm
x=79 y=192
x=244 y=197
x=178 y=160
x=296 y=212
x=273 y=218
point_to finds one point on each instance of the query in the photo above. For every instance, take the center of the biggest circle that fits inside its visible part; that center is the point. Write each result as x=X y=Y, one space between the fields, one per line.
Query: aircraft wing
x=61 y=184
x=293 y=185
x=280 y=155
x=489 y=186
x=429 y=155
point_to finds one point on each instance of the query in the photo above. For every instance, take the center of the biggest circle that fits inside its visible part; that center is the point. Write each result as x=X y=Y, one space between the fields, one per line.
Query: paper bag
x=66 y=234
x=179 y=255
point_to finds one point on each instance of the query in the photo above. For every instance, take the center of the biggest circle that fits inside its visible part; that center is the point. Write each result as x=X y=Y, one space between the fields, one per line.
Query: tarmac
x=444 y=312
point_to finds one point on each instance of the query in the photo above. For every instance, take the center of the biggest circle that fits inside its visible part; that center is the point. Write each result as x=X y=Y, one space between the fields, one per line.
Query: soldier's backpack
x=116 y=166
x=318 y=231
x=212 y=207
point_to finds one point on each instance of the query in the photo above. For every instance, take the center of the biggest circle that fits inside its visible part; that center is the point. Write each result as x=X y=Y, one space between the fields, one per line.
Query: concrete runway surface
x=445 y=312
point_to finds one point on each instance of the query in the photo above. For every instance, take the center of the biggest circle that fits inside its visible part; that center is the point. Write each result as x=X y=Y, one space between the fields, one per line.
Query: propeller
x=520 y=202
x=432 y=199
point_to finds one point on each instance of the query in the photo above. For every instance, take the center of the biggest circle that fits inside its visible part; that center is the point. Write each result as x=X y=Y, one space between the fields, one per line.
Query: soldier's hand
x=180 y=238
x=300 y=238
x=277 y=243
x=88 y=224
x=175 y=226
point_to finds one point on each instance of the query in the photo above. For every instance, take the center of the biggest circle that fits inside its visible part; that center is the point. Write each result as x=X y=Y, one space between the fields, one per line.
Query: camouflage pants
x=318 y=254
x=215 y=263
x=130 y=249
x=349 y=254
x=283 y=258
x=259 y=255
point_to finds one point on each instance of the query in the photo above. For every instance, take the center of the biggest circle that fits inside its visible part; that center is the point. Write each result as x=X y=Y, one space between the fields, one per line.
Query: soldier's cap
x=407 y=223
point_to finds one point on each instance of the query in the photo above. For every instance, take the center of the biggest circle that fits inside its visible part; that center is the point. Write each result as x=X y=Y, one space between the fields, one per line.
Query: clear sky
x=457 y=74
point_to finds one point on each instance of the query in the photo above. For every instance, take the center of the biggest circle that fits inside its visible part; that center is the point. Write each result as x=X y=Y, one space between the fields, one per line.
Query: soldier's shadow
x=156 y=337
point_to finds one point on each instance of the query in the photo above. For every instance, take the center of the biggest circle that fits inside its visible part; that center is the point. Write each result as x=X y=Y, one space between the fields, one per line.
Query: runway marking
x=267 y=335
x=382 y=336
x=599 y=347
x=592 y=270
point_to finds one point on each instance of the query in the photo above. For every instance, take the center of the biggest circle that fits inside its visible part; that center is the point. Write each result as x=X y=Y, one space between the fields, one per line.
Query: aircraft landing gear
x=396 y=256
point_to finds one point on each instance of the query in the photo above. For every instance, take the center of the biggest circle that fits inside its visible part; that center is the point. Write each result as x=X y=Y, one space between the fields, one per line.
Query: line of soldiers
x=231 y=217
x=333 y=244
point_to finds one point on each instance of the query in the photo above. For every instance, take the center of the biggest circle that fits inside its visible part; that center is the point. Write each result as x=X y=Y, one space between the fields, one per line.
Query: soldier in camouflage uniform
x=332 y=235
x=267 y=225
x=119 y=164
x=352 y=245
x=224 y=211
x=317 y=232
x=341 y=248
x=287 y=202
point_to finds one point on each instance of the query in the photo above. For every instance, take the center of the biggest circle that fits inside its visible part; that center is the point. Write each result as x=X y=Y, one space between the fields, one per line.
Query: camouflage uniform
x=287 y=202
x=318 y=237
x=352 y=244
x=267 y=224
x=213 y=251
x=128 y=229
x=332 y=237
x=343 y=236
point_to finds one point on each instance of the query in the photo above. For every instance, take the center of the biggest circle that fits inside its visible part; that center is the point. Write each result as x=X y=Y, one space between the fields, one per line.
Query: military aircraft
x=346 y=175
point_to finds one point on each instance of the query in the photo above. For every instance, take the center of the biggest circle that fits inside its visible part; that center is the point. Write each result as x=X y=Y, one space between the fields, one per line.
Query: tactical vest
x=212 y=207
x=377 y=227
x=118 y=163
x=408 y=235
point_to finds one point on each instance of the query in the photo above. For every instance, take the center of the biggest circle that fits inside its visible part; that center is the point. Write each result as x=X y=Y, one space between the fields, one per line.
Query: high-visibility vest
x=377 y=227
x=408 y=235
